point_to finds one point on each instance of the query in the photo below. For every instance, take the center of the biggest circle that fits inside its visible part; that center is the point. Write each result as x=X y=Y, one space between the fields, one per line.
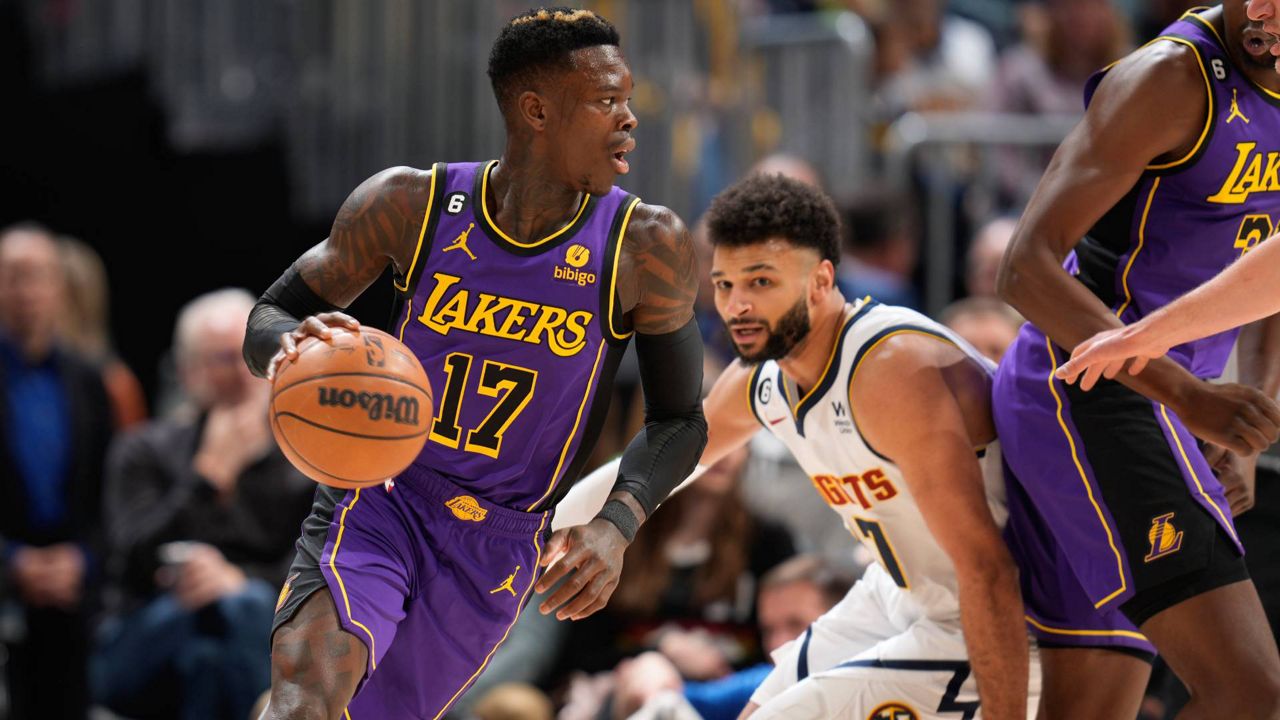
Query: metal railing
x=954 y=152
x=354 y=86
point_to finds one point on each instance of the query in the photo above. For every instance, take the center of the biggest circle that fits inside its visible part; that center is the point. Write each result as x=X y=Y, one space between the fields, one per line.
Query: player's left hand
x=591 y=557
x=1237 y=473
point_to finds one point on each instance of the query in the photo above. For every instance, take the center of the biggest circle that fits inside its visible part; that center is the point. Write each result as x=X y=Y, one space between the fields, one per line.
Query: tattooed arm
x=376 y=226
x=657 y=283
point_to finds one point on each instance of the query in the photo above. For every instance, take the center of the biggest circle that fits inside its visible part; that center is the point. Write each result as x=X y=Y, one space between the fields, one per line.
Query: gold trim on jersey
x=1090 y=633
x=1226 y=522
x=613 y=279
x=573 y=432
x=914 y=331
x=533 y=576
x=333 y=566
x=1142 y=238
x=864 y=353
x=835 y=350
x=1208 y=119
x=408 y=315
x=1088 y=488
x=422 y=233
x=483 y=202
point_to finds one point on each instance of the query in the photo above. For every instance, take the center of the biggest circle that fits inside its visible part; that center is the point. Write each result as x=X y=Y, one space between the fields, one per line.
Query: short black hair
x=541 y=39
x=765 y=206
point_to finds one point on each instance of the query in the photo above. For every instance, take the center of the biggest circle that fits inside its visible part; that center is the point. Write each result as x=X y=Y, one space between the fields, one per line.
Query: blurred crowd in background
x=147 y=519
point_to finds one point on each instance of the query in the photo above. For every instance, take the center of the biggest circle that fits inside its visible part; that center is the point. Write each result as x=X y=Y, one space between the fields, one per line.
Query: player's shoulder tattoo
x=658 y=270
x=377 y=225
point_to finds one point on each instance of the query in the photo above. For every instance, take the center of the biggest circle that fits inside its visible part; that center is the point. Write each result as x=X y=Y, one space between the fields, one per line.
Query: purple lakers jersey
x=1186 y=220
x=520 y=339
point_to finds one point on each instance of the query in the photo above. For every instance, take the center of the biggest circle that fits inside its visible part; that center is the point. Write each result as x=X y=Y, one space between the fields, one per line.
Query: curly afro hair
x=768 y=206
x=539 y=40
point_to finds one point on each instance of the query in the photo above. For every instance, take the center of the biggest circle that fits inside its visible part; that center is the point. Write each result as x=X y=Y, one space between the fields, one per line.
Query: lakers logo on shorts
x=1165 y=539
x=465 y=507
x=286 y=591
x=893 y=711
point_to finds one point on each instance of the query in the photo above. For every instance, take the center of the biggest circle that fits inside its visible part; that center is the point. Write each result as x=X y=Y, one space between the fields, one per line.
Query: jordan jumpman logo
x=506 y=584
x=460 y=243
x=1235 y=110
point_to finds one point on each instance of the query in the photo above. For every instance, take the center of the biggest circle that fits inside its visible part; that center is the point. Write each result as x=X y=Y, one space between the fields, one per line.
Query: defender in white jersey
x=890 y=415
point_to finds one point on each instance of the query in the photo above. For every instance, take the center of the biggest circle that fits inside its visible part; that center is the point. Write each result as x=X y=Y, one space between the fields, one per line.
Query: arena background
x=200 y=144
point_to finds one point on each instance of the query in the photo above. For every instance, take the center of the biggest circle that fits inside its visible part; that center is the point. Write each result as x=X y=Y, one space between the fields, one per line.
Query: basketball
x=353 y=412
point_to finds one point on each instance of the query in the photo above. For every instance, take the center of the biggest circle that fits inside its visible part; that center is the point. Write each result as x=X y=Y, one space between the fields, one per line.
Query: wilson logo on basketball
x=465 y=507
x=379 y=406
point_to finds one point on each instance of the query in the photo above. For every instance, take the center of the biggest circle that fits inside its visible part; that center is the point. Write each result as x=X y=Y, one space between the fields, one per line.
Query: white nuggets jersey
x=864 y=487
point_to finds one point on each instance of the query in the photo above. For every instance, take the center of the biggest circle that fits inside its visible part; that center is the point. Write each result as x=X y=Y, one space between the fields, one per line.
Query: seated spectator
x=514 y=701
x=688 y=585
x=1065 y=41
x=927 y=59
x=85 y=327
x=202 y=517
x=792 y=166
x=982 y=262
x=791 y=597
x=55 y=425
x=988 y=324
x=880 y=250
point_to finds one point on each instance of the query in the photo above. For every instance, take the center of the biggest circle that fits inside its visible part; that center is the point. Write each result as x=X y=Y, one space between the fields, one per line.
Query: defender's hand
x=1105 y=355
x=591 y=557
x=1237 y=417
x=312 y=326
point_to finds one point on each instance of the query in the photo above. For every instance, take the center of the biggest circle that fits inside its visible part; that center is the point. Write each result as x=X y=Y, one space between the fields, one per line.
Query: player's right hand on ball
x=591 y=557
x=1237 y=417
x=312 y=326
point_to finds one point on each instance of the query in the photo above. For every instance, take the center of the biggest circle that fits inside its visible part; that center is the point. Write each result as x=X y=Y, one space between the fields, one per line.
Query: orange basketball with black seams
x=353 y=412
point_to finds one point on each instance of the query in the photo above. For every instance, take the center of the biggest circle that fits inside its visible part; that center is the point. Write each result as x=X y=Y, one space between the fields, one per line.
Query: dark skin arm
x=376 y=226
x=657 y=284
x=1258 y=355
x=1150 y=109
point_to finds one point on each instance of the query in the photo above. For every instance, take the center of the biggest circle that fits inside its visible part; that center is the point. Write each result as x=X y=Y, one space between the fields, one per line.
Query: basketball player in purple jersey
x=1246 y=291
x=1122 y=532
x=520 y=282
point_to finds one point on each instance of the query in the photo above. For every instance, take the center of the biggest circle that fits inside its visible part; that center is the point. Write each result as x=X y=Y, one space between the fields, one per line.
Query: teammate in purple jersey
x=520 y=282
x=1122 y=532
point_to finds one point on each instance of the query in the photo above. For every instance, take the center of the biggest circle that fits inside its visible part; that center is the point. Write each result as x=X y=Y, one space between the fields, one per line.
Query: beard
x=790 y=330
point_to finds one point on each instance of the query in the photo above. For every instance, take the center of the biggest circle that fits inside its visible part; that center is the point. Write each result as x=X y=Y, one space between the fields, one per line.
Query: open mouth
x=1258 y=42
x=746 y=334
x=620 y=164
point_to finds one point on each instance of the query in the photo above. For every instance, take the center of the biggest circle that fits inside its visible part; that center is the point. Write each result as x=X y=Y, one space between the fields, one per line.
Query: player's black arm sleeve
x=675 y=432
x=278 y=311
